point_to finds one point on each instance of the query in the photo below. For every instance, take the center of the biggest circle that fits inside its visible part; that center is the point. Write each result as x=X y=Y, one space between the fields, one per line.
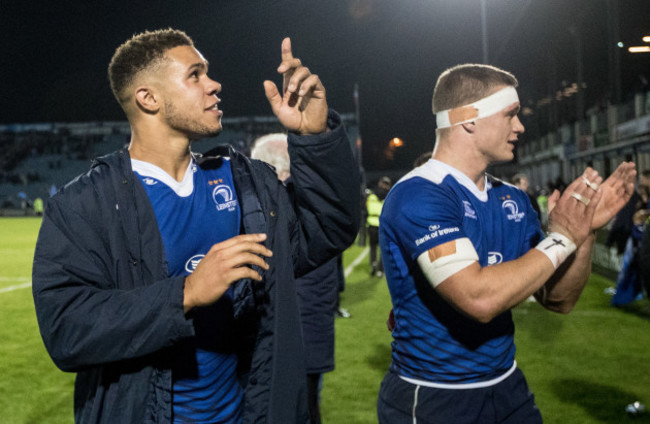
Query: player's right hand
x=225 y=263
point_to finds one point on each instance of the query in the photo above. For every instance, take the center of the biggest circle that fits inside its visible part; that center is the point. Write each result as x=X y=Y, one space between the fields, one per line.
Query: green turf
x=32 y=389
x=583 y=368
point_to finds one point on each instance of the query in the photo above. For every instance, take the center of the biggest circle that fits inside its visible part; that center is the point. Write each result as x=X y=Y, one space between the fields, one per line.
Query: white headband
x=483 y=108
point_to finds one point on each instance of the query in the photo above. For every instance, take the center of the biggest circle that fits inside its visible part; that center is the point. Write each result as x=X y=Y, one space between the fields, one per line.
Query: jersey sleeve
x=420 y=215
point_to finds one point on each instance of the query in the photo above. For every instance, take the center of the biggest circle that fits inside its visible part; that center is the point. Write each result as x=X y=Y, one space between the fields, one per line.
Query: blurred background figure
x=521 y=181
x=626 y=234
x=38 y=206
x=422 y=159
x=644 y=257
x=542 y=202
x=318 y=291
x=374 y=204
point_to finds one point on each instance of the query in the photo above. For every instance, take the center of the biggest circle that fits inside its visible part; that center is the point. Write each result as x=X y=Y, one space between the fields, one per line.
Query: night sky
x=55 y=54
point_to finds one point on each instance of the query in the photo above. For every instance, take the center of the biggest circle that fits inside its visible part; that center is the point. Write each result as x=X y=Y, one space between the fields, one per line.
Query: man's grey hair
x=273 y=149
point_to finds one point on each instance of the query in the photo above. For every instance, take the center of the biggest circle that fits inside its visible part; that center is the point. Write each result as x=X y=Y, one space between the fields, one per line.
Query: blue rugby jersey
x=192 y=216
x=431 y=205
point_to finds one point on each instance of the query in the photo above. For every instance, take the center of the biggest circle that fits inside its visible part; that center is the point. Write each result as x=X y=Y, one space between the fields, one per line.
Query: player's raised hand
x=617 y=191
x=302 y=106
x=225 y=263
x=573 y=212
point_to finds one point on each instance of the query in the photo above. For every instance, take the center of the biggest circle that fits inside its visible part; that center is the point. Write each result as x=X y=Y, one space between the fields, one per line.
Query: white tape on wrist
x=557 y=247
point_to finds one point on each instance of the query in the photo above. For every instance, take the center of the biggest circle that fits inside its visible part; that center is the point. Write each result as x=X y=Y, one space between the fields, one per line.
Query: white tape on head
x=483 y=108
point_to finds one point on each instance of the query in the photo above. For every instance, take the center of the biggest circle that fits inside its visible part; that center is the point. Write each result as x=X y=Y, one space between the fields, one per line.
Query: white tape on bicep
x=445 y=266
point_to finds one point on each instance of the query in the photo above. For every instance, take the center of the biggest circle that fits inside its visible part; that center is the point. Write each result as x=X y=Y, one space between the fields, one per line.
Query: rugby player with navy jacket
x=462 y=248
x=166 y=279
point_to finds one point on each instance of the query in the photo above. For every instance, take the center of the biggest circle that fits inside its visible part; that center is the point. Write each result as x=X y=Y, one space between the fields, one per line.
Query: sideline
x=16 y=287
x=347 y=272
x=356 y=262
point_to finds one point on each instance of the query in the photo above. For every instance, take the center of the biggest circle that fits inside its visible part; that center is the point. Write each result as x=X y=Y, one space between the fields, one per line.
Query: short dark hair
x=468 y=83
x=139 y=53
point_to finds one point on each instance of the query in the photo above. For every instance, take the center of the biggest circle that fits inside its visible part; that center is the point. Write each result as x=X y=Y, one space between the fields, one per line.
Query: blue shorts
x=508 y=402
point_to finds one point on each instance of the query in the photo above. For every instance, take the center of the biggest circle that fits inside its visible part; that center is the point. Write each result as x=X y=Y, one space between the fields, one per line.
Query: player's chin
x=214 y=132
x=205 y=132
x=503 y=158
x=214 y=128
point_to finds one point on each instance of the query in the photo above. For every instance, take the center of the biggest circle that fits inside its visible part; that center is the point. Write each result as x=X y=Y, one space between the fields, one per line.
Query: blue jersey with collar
x=193 y=215
x=434 y=204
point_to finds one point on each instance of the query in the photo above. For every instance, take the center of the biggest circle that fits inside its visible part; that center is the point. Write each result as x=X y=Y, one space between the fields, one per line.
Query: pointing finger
x=286 y=50
x=289 y=64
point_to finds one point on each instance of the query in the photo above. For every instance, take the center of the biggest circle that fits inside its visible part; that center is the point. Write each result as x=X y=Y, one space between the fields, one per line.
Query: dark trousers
x=312 y=398
x=509 y=402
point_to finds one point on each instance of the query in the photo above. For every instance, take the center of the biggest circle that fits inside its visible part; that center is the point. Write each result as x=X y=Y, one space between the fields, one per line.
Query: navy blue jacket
x=318 y=293
x=108 y=311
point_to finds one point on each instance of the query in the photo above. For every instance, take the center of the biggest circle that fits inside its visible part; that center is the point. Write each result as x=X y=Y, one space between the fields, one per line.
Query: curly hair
x=140 y=53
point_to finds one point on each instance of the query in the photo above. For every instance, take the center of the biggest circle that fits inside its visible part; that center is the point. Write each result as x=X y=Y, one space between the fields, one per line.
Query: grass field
x=583 y=368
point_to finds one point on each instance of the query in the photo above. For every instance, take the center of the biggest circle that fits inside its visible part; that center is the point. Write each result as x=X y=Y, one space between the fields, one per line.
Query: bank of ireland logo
x=193 y=262
x=494 y=258
x=223 y=198
x=512 y=210
x=149 y=181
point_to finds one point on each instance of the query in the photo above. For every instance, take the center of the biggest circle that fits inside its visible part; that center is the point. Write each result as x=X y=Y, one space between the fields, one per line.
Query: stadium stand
x=34 y=158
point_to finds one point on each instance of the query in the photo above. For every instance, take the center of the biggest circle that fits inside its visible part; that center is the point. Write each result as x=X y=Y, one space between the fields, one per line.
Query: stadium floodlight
x=396 y=142
x=639 y=49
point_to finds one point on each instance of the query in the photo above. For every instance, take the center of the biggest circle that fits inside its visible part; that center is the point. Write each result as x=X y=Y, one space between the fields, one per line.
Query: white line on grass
x=347 y=272
x=16 y=287
x=356 y=262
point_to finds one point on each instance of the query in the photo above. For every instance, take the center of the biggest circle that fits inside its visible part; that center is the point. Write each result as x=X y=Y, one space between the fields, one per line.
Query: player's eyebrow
x=512 y=110
x=202 y=66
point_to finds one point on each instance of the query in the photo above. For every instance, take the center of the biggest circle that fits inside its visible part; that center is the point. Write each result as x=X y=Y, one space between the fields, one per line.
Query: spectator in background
x=374 y=204
x=644 y=257
x=38 y=206
x=626 y=233
x=520 y=180
x=422 y=159
x=317 y=290
x=542 y=202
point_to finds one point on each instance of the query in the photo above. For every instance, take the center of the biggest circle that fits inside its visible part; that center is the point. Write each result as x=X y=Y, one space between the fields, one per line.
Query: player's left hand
x=617 y=190
x=302 y=106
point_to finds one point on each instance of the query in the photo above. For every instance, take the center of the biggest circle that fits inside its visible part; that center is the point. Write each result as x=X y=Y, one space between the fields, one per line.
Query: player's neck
x=169 y=152
x=464 y=161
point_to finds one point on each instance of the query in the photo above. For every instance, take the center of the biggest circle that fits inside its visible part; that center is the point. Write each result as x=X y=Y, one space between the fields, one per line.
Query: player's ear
x=469 y=127
x=147 y=99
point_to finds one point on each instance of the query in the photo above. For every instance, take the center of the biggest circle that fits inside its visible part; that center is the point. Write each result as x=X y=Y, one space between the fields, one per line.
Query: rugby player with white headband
x=462 y=248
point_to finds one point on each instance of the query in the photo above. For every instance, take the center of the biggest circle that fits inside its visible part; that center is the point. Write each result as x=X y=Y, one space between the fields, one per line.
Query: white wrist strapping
x=557 y=247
